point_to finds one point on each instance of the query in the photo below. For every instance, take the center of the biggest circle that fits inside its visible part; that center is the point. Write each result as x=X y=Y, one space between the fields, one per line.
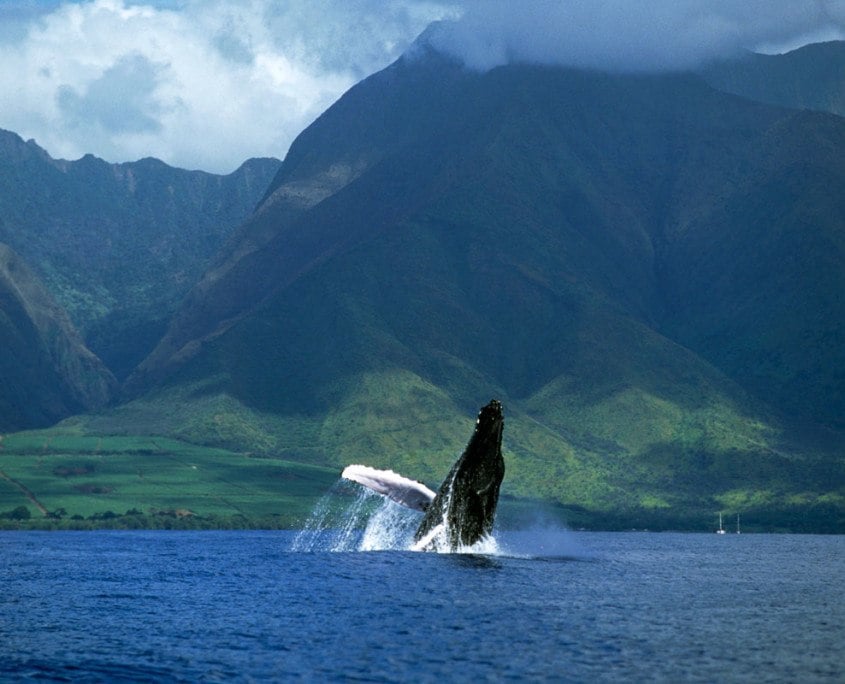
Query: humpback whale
x=461 y=512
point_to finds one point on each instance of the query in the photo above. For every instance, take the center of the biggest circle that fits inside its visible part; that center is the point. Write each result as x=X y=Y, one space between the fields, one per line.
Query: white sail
x=401 y=489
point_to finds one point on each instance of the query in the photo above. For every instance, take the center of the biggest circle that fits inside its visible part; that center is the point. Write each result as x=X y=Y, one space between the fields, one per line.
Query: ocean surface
x=545 y=604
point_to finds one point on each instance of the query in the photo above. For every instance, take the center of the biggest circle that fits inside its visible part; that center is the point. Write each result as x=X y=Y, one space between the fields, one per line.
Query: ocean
x=542 y=604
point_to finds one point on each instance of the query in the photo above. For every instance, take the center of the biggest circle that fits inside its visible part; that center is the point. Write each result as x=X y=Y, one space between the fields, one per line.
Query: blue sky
x=208 y=83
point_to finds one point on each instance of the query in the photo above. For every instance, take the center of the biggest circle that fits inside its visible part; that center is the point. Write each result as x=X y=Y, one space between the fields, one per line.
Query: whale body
x=463 y=509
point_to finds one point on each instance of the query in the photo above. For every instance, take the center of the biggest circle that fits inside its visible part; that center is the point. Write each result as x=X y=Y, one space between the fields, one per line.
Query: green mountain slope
x=811 y=77
x=118 y=245
x=46 y=372
x=636 y=265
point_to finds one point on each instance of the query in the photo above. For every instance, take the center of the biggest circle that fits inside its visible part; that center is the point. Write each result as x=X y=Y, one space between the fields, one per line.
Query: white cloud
x=197 y=83
x=629 y=35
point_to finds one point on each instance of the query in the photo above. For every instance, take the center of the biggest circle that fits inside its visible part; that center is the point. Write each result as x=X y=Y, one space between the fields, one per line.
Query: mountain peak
x=119 y=244
x=616 y=175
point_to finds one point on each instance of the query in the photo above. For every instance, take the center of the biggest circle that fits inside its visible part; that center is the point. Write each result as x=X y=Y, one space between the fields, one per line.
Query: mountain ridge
x=118 y=244
x=547 y=242
x=809 y=77
x=644 y=268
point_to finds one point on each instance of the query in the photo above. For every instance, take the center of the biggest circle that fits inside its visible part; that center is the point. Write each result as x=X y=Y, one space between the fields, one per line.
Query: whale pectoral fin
x=400 y=489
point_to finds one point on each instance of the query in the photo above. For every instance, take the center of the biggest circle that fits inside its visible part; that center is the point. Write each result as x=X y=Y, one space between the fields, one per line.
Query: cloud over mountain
x=632 y=36
x=207 y=83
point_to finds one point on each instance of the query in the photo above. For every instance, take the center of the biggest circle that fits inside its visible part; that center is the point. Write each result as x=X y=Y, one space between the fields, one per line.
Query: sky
x=206 y=84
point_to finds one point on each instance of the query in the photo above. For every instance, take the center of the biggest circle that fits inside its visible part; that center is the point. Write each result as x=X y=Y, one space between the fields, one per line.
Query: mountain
x=811 y=77
x=646 y=270
x=118 y=245
x=46 y=372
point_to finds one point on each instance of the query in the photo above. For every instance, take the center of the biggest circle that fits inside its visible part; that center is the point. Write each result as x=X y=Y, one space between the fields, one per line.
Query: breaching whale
x=461 y=512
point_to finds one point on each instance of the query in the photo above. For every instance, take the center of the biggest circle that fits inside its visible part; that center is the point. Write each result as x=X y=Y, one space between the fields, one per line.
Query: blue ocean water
x=544 y=605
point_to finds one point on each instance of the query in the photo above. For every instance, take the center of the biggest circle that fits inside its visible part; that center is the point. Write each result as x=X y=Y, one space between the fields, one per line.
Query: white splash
x=332 y=525
x=372 y=522
x=391 y=527
x=437 y=540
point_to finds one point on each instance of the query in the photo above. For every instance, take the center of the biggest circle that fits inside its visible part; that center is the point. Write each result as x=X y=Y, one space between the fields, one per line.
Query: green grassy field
x=595 y=454
x=76 y=480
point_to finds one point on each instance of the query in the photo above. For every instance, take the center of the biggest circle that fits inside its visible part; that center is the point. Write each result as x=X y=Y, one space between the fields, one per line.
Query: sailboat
x=721 y=529
x=737 y=524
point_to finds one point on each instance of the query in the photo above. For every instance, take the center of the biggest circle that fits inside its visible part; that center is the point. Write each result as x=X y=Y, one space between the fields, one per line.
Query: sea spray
x=348 y=536
x=309 y=537
x=335 y=521
x=390 y=527
x=368 y=522
x=543 y=541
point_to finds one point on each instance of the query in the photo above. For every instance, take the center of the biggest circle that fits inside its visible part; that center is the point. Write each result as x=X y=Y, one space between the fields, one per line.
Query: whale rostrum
x=462 y=511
